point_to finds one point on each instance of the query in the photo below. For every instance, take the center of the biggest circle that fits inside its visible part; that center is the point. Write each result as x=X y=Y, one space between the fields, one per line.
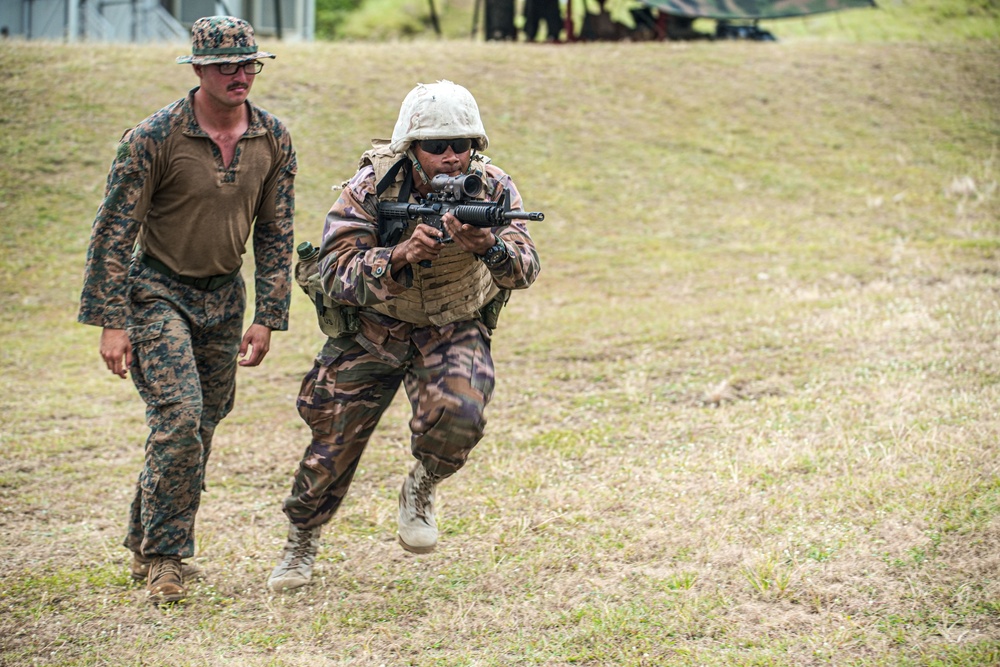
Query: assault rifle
x=451 y=194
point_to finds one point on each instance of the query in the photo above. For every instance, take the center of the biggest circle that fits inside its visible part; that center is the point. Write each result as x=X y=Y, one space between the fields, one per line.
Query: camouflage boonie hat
x=222 y=39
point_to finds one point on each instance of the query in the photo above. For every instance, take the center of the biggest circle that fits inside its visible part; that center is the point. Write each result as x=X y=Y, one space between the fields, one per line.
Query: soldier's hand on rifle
x=423 y=245
x=470 y=238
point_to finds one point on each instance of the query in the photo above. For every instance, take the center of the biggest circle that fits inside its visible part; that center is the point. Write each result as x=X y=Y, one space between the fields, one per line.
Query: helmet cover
x=442 y=110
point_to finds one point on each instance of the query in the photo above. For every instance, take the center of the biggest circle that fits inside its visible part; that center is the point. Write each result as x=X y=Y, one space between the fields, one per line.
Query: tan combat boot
x=140 y=569
x=164 y=583
x=418 y=530
x=295 y=568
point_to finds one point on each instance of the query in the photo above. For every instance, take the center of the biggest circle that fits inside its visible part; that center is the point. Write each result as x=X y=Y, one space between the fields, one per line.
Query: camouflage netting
x=752 y=9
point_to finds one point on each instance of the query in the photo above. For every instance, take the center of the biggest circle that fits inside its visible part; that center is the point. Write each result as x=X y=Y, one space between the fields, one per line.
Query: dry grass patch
x=747 y=416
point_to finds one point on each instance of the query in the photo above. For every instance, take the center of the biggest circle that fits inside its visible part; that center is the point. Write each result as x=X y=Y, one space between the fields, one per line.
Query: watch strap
x=497 y=253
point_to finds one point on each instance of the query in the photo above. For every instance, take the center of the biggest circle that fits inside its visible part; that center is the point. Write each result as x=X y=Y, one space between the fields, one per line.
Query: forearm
x=113 y=237
x=354 y=269
x=272 y=243
x=522 y=266
x=102 y=300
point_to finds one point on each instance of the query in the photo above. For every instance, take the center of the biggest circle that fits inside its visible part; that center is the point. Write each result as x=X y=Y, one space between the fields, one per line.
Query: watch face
x=496 y=254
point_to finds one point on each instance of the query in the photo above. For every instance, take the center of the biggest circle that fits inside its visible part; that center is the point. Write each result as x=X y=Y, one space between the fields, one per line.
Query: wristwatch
x=496 y=255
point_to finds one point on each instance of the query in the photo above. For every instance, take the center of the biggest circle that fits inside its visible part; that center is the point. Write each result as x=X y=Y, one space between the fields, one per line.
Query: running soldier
x=404 y=308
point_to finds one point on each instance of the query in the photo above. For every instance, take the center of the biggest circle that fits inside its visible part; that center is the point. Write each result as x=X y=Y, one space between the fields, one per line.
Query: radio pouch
x=336 y=320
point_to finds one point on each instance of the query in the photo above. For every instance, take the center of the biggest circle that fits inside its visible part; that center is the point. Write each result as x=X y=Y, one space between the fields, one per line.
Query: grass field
x=748 y=415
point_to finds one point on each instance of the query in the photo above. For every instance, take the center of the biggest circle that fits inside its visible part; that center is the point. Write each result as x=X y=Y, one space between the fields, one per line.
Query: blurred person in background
x=542 y=10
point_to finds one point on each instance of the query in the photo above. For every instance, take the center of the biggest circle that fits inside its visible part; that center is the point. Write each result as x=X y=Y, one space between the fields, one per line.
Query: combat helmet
x=442 y=110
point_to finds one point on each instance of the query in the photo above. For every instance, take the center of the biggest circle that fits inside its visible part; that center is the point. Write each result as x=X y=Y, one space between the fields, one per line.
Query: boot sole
x=161 y=599
x=413 y=549
x=187 y=574
x=282 y=586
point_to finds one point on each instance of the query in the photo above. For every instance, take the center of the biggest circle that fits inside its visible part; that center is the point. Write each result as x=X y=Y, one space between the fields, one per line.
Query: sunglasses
x=439 y=146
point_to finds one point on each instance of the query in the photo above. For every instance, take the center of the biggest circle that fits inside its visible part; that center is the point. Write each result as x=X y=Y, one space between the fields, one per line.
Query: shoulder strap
x=391 y=230
x=390 y=178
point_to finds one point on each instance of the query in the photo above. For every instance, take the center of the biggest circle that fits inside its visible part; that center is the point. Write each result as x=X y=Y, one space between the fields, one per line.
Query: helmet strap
x=417 y=168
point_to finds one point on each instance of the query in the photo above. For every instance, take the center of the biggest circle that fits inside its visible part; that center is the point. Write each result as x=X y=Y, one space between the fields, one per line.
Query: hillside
x=747 y=415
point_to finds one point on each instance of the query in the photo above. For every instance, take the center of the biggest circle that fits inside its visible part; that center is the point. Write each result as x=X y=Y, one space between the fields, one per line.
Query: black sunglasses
x=439 y=146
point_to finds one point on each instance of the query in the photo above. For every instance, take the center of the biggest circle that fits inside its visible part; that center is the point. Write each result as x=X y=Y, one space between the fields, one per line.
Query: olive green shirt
x=169 y=190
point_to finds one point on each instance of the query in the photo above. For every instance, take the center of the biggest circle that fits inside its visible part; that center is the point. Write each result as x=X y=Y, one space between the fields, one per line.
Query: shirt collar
x=192 y=128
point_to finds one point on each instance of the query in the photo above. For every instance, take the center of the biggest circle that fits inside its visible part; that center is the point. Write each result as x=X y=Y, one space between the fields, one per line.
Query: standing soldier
x=542 y=10
x=404 y=308
x=187 y=188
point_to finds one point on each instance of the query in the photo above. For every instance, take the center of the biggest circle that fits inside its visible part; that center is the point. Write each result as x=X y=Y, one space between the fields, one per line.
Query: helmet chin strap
x=417 y=168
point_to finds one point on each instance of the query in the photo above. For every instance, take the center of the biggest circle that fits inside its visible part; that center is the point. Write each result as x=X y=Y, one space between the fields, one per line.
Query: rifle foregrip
x=478 y=215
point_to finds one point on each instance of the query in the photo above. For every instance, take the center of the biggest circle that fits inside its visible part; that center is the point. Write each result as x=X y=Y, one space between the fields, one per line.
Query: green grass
x=747 y=415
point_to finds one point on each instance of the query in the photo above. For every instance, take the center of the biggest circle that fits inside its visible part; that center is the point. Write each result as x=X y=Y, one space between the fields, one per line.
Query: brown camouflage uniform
x=185 y=338
x=446 y=370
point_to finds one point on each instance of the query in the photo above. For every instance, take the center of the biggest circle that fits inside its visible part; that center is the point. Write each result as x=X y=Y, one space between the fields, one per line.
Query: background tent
x=676 y=16
x=752 y=9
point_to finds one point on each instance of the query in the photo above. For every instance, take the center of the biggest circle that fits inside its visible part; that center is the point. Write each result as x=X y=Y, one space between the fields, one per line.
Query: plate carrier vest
x=456 y=286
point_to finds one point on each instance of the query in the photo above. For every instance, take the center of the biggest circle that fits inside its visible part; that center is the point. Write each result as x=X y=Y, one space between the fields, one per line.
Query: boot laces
x=422 y=494
x=165 y=567
x=301 y=546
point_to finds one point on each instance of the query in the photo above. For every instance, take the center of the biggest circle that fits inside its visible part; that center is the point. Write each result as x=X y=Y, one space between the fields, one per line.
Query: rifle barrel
x=524 y=215
x=483 y=214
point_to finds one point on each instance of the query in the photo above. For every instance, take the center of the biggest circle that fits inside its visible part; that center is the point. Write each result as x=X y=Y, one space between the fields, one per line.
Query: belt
x=209 y=283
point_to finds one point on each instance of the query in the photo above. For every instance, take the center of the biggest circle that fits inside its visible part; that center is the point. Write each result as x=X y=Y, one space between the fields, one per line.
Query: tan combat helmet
x=442 y=110
x=222 y=39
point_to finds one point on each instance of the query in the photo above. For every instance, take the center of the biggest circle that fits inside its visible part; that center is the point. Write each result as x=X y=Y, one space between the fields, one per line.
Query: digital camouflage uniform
x=170 y=197
x=445 y=367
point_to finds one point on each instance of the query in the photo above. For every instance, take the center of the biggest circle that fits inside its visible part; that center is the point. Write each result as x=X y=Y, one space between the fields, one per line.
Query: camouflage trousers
x=342 y=400
x=185 y=343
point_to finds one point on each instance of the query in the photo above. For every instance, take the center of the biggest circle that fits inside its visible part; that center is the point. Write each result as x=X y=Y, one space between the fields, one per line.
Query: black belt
x=208 y=283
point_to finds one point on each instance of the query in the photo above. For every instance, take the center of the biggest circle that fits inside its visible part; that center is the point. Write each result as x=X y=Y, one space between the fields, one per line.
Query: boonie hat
x=222 y=39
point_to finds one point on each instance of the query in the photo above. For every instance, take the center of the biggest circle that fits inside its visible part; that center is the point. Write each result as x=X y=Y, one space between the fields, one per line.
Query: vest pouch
x=335 y=319
x=490 y=313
